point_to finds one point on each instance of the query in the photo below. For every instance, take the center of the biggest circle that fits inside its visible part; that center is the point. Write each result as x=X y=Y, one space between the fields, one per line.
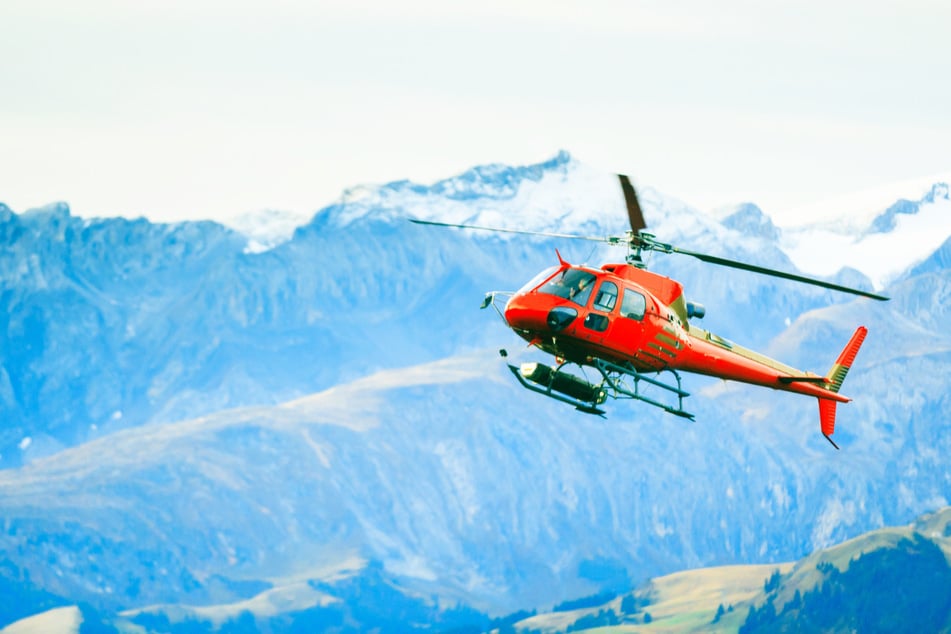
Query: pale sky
x=209 y=109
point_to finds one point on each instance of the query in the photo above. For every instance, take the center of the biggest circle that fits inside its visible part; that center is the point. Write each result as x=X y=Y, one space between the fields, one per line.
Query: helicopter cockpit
x=571 y=284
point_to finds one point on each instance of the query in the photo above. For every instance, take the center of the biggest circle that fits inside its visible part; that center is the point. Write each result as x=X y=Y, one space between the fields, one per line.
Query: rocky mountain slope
x=199 y=433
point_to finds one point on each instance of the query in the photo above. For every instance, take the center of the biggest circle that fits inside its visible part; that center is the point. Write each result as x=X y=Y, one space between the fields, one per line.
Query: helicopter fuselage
x=624 y=314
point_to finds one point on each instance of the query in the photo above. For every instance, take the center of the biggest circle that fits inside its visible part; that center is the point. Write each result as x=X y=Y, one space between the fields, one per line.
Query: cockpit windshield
x=538 y=279
x=573 y=284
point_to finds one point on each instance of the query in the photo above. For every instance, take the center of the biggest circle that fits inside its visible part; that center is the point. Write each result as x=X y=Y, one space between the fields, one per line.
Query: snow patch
x=266 y=229
x=824 y=250
x=856 y=210
x=563 y=195
x=57 y=621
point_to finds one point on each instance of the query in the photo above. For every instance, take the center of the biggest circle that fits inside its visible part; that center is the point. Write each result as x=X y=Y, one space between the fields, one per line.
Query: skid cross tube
x=611 y=372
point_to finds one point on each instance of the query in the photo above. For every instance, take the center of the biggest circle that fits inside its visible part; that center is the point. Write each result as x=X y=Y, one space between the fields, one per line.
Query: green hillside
x=892 y=579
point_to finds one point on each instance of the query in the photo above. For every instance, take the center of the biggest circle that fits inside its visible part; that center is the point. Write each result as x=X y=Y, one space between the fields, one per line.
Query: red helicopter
x=632 y=325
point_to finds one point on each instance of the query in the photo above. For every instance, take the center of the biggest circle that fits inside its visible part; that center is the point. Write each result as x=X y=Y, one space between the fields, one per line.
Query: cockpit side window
x=633 y=304
x=573 y=284
x=606 y=297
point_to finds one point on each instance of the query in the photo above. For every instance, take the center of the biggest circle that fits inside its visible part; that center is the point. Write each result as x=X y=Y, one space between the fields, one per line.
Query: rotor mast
x=636 y=218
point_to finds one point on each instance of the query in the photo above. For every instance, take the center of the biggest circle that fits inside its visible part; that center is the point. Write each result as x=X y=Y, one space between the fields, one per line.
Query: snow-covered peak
x=938 y=191
x=856 y=210
x=748 y=219
x=56 y=210
x=895 y=240
x=888 y=220
x=266 y=229
x=561 y=194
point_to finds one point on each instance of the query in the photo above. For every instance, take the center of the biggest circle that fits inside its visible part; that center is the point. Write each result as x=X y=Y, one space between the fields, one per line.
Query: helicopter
x=633 y=327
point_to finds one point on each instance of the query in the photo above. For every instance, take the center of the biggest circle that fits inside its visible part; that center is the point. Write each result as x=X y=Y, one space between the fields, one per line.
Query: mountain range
x=202 y=426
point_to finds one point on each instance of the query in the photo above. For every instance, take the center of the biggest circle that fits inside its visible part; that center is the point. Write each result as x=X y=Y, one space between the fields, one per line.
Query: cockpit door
x=627 y=329
x=597 y=321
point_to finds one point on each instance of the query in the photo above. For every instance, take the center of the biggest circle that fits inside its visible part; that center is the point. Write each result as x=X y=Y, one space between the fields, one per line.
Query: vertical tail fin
x=827 y=418
x=834 y=380
x=836 y=375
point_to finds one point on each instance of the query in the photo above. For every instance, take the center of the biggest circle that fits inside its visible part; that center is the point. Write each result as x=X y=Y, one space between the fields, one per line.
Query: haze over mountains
x=195 y=419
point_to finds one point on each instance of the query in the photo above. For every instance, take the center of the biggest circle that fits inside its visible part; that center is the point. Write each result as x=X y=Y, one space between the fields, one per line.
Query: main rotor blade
x=712 y=259
x=634 y=213
x=567 y=236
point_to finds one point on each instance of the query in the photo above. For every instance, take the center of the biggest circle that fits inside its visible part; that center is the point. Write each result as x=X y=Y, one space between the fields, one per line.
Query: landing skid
x=617 y=381
x=624 y=382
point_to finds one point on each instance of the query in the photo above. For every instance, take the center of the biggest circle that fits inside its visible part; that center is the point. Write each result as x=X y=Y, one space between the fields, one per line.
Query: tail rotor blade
x=634 y=213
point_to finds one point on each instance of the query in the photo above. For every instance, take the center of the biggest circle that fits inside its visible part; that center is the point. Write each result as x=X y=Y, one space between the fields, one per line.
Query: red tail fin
x=837 y=374
x=834 y=380
x=827 y=418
